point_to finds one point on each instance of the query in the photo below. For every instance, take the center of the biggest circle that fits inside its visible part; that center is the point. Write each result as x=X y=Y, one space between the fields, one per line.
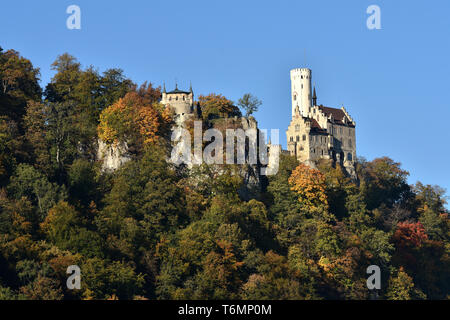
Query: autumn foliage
x=409 y=234
x=133 y=117
x=310 y=186
x=152 y=230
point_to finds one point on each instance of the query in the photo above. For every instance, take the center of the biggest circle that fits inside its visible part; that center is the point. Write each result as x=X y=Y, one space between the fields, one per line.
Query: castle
x=315 y=131
x=182 y=103
x=318 y=132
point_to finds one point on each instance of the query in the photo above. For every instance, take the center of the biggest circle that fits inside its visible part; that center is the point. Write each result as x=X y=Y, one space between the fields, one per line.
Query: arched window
x=292 y=139
x=295 y=97
x=304 y=137
x=349 y=157
x=298 y=138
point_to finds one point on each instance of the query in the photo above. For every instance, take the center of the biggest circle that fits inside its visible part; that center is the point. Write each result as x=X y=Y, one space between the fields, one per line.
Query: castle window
x=170 y=98
x=350 y=143
x=295 y=97
x=176 y=98
x=349 y=157
x=297 y=127
x=297 y=138
x=292 y=139
x=184 y=98
x=304 y=137
x=301 y=148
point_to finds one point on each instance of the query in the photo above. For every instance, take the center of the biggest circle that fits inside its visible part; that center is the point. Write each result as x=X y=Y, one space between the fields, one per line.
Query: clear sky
x=394 y=82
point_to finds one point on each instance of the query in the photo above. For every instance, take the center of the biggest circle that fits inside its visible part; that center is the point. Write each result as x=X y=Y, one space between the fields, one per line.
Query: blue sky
x=393 y=81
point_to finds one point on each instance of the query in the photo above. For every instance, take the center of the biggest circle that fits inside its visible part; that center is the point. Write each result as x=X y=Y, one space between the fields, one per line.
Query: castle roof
x=315 y=126
x=338 y=114
x=178 y=91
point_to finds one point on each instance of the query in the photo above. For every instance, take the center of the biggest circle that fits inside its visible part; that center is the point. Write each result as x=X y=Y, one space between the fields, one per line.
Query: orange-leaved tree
x=133 y=118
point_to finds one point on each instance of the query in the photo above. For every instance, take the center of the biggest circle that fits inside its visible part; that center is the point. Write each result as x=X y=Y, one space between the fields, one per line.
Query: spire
x=176 y=85
x=190 y=86
x=314 y=97
x=164 y=90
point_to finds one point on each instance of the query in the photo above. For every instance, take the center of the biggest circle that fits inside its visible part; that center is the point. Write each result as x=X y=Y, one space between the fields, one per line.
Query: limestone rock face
x=115 y=155
x=112 y=156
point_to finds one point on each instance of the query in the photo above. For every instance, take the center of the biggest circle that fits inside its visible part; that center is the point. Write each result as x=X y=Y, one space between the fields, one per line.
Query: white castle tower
x=301 y=90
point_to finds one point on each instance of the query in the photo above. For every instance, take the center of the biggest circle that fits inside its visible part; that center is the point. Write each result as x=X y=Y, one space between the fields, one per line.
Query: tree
x=82 y=181
x=65 y=228
x=309 y=184
x=104 y=279
x=18 y=84
x=62 y=85
x=284 y=208
x=383 y=181
x=144 y=204
x=32 y=184
x=11 y=149
x=249 y=103
x=135 y=119
x=401 y=287
x=53 y=135
x=274 y=280
x=217 y=106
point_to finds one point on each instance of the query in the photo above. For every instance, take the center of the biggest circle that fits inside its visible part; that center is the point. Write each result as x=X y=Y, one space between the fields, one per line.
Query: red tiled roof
x=315 y=124
x=338 y=114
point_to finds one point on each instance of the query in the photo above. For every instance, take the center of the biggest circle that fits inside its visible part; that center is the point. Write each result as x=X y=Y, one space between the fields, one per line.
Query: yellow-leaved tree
x=310 y=186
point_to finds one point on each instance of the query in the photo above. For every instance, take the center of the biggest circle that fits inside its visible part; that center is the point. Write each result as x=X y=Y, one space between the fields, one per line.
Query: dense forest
x=151 y=231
